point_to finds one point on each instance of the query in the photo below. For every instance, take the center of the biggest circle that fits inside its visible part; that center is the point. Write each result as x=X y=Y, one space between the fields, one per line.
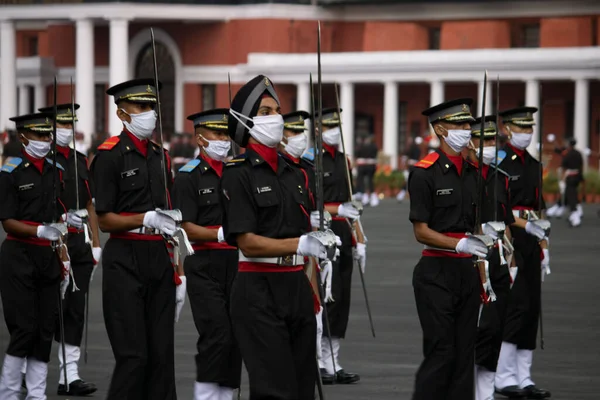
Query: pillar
x=8 y=74
x=118 y=69
x=39 y=96
x=581 y=123
x=437 y=93
x=347 y=106
x=532 y=99
x=84 y=78
x=24 y=100
x=390 y=122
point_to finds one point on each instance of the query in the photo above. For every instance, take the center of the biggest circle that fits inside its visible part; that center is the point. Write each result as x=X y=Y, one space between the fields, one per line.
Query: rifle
x=359 y=207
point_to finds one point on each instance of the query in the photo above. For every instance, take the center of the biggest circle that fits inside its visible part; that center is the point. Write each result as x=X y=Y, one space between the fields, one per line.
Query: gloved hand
x=97 y=254
x=347 y=210
x=66 y=278
x=310 y=245
x=48 y=233
x=513 y=274
x=360 y=255
x=473 y=246
x=180 y=296
x=315 y=219
x=534 y=230
x=545 y=263
x=161 y=222
x=326 y=279
x=319 y=317
x=220 y=235
x=73 y=220
x=487 y=229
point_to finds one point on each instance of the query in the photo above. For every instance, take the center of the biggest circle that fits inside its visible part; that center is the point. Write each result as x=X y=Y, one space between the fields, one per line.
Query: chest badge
x=264 y=189
x=514 y=177
x=443 y=192
x=130 y=173
x=207 y=191
x=26 y=187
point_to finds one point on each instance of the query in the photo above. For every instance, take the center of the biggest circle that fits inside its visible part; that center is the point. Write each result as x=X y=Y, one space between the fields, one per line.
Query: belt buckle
x=148 y=231
x=286 y=260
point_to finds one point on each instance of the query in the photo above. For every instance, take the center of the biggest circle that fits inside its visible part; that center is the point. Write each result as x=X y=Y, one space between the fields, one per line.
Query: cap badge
x=267 y=83
x=465 y=108
x=149 y=89
x=47 y=120
x=528 y=115
x=335 y=115
x=224 y=117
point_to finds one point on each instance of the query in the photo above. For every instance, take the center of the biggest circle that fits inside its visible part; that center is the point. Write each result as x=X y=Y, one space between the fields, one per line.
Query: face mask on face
x=142 y=125
x=332 y=136
x=37 y=148
x=489 y=153
x=458 y=139
x=521 y=140
x=63 y=136
x=296 y=145
x=217 y=149
x=267 y=129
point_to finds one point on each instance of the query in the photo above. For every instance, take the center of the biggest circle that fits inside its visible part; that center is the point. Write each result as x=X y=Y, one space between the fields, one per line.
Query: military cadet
x=495 y=208
x=344 y=213
x=30 y=271
x=139 y=285
x=513 y=375
x=442 y=190
x=572 y=176
x=83 y=254
x=272 y=308
x=211 y=270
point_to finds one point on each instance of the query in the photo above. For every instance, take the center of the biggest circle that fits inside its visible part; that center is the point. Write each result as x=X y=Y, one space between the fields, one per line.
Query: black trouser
x=210 y=275
x=341 y=283
x=364 y=179
x=447 y=296
x=138 y=297
x=493 y=314
x=29 y=283
x=82 y=263
x=571 y=194
x=274 y=323
x=524 y=299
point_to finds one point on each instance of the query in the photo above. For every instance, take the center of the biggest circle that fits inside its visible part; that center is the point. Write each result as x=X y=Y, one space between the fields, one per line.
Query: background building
x=391 y=59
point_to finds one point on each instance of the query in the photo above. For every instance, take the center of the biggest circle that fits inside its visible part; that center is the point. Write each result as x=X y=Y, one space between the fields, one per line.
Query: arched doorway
x=144 y=68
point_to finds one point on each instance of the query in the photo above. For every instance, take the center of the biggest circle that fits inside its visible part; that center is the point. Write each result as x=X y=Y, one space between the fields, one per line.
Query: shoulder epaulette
x=309 y=155
x=189 y=167
x=49 y=160
x=235 y=161
x=428 y=161
x=109 y=143
x=501 y=156
x=11 y=163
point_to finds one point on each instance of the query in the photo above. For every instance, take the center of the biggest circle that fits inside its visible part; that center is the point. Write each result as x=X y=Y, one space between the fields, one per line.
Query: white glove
x=161 y=222
x=180 y=296
x=66 y=274
x=545 y=263
x=48 y=233
x=347 y=210
x=309 y=246
x=488 y=230
x=360 y=255
x=220 y=235
x=471 y=246
x=562 y=186
x=319 y=317
x=73 y=220
x=513 y=274
x=326 y=279
x=97 y=254
x=534 y=230
x=315 y=219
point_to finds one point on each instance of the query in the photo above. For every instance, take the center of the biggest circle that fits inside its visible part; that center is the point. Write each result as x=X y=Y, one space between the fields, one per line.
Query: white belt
x=570 y=172
x=144 y=231
x=287 y=260
x=517 y=213
x=426 y=247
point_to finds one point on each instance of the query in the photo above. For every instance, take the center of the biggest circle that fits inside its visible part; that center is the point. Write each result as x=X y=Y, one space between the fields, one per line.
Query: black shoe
x=512 y=392
x=77 y=388
x=326 y=378
x=345 y=378
x=534 y=392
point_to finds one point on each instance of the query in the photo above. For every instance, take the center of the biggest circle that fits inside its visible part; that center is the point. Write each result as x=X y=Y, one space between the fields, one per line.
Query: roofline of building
x=405 y=12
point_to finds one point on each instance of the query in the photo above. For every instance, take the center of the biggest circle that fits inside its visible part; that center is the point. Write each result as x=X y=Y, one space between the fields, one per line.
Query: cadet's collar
x=65 y=151
x=446 y=161
x=330 y=149
x=38 y=163
x=140 y=145
x=519 y=152
x=217 y=166
x=292 y=159
x=263 y=153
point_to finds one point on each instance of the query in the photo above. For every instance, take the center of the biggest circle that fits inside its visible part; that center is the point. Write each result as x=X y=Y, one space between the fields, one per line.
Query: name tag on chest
x=514 y=177
x=206 y=191
x=129 y=173
x=443 y=192
x=26 y=187
x=264 y=189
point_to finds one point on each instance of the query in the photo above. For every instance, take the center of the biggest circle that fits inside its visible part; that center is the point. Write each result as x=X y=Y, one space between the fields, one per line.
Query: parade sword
x=234 y=146
x=540 y=199
x=349 y=181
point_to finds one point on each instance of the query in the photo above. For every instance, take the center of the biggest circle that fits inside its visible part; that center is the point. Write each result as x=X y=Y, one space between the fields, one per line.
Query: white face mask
x=217 y=149
x=296 y=145
x=267 y=129
x=489 y=152
x=142 y=125
x=332 y=136
x=458 y=139
x=521 y=140
x=63 y=136
x=37 y=148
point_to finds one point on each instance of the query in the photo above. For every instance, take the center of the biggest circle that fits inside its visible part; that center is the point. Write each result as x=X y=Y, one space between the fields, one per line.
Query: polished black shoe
x=534 y=392
x=77 y=388
x=512 y=392
x=345 y=378
x=326 y=377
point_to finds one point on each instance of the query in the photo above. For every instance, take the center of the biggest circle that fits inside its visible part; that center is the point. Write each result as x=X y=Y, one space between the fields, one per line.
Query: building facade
x=390 y=60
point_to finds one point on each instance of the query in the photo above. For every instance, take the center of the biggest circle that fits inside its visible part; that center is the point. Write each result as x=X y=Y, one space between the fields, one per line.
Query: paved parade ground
x=569 y=366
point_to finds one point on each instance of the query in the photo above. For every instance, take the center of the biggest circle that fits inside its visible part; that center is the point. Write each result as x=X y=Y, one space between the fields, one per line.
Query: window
x=527 y=36
x=100 y=100
x=208 y=97
x=32 y=43
x=434 y=38
x=402 y=124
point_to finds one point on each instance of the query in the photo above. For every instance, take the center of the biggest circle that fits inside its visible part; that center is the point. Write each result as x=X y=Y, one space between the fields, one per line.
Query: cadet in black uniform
x=572 y=170
x=491 y=321
x=139 y=285
x=335 y=188
x=513 y=375
x=211 y=270
x=83 y=255
x=263 y=199
x=30 y=272
x=442 y=190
